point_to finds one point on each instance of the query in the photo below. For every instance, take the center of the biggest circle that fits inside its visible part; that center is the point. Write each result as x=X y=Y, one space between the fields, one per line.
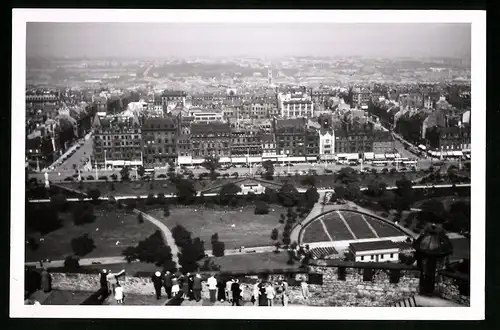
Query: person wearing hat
x=157 y=283
x=46 y=280
x=236 y=290
x=197 y=287
x=167 y=284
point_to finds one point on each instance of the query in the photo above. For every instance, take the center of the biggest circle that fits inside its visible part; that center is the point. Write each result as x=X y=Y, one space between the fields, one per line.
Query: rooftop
x=374 y=245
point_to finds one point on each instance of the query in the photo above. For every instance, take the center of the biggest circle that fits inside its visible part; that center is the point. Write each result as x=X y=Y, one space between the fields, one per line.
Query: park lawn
x=108 y=228
x=136 y=269
x=253 y=262
x=249 y=229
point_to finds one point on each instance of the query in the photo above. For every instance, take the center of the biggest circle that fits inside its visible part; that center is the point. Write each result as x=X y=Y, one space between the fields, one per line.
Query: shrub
x=209 y=265
x=94 y=194
x=150 y=200
x=114 y=177
x=151 y=250
x=140 y=218
x=161 y=199
x=277 y=245
x=105 y=178
x=261 y=208
x=83 y=214
x=166 y=212
x=218 y=249
x=90 y=177
x=274 y=234
x=72 y=263
x=82 y=245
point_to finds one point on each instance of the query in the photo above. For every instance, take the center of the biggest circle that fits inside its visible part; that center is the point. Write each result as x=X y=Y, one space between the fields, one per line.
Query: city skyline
x=94 y=40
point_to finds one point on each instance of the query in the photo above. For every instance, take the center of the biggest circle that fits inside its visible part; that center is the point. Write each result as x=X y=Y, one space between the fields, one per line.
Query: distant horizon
x=259 y=40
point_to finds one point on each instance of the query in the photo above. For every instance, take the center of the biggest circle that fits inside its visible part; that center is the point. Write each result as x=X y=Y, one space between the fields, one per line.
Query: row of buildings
x=155 y=142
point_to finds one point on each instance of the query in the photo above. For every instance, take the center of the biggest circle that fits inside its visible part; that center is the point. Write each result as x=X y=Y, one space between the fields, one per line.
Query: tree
x=432 y=211
x=274 y=234
x=228 y=192
x=385 y=170
x=166 y=211
x=393 y=171
x=277 y=245
x=404 y=194
x=235 y=174
x=386 y=200
x=94 y=194
x=125 y=173
x=185 y=191
x=376 y=188
x=214 y=238
x=311 y=197
x=352 y=192
x=261 y=208
x=152 y=250
x=114 y=177
x=181 y=236
x=190 y=254
x=90 y=177
x=72 y=263
x=140 y=218
x=211 y=163
x=309 y=180
x=288 y=195
x=269 y=168
x=346 y=176
x=459 y=217
x=83 y=213
x=218 y=249
x=59 y=202
x=141 y=171
x=270 y=195
x=82 y=245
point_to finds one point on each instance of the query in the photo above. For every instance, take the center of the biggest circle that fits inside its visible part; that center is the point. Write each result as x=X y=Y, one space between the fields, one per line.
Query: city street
x=55 y=176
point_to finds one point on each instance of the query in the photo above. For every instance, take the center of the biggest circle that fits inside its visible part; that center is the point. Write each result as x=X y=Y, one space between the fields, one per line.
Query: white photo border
x=477 y=19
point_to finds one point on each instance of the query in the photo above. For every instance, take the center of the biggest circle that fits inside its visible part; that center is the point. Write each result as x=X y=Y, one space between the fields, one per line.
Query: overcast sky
x=219 y=39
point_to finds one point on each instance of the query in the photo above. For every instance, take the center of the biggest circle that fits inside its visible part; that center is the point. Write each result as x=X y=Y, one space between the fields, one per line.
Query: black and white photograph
x=300 y=161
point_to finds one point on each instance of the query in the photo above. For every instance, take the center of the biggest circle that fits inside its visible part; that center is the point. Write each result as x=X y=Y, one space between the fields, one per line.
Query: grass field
x=62 y=297
x=249 y=229
x=254 y=262
x=108 y=228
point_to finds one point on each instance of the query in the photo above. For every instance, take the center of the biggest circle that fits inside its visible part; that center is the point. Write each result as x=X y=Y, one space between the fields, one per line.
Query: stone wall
x=353 y=291
x=88 y=282
x=449 y=288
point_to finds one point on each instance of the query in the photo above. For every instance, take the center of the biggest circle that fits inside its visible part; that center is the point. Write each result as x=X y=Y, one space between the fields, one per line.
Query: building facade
x=326 y=144
x=210 y=139
x=117 y=142
x=383 y=142
x=296 y=105
x=184 y=146
x=159 y=137
x=268 y=145
x=245 y=142
x=290 y=137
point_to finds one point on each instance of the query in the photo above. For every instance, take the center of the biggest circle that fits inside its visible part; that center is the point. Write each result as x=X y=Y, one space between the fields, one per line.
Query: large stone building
x=296 y=105
x=117 y=141
x=268 y=145
x=184 y=145
x=210 y=139
x=159 y=137
x=290 y=137
x=245 y=142
x=360 y=97
x=383 y=142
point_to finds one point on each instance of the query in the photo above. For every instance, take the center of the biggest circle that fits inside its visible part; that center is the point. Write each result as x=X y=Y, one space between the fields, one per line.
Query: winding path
x=166 y=233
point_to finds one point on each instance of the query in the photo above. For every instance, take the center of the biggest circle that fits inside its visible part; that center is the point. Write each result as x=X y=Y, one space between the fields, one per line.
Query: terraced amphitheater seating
x=321 y=252
x=408 y=302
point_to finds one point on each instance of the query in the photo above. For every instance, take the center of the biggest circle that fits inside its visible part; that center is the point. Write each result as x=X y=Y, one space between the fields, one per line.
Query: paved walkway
x=167 y=234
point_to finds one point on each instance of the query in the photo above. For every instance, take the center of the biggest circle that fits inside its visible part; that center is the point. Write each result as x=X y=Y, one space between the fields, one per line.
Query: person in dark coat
x=184 y=286
x=197 y=287
x=46 y=280
x=167 y=284
x=262 y=294
x=236 y=290
x=104 y=282
x=221 y=285
x=157 y=283
x=190 y=286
